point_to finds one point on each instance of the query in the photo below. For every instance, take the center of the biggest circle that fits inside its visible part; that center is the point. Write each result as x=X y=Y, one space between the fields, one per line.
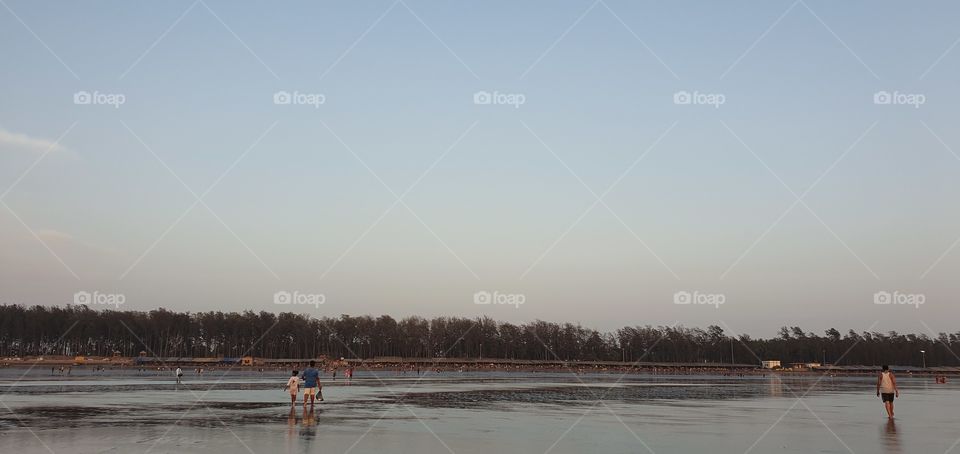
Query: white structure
x=770 y=364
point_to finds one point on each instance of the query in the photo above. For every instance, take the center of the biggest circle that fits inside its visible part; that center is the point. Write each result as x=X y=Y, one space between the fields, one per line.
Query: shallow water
x=470 y=413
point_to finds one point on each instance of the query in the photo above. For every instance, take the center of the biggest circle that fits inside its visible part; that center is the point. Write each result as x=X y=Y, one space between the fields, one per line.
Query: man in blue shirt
x=311 y=384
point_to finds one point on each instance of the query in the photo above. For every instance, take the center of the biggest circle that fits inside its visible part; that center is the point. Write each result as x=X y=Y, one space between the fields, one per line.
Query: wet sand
x=470 y=413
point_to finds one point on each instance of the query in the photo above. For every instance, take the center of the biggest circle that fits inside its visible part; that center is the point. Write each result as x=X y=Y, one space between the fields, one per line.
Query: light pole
x=923 y=353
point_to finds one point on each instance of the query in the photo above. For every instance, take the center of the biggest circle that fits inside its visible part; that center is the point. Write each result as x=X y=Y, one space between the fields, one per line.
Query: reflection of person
x=887 y=389
x=308 y=418
x=293 y=386
x=308 y=427
x=891 y=441
x=291 y=421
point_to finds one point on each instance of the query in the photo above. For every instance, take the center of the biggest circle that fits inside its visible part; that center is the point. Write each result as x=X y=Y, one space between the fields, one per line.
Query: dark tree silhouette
x=78 y=330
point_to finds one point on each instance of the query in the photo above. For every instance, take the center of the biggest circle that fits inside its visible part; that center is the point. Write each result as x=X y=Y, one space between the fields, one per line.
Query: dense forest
x=78 y=330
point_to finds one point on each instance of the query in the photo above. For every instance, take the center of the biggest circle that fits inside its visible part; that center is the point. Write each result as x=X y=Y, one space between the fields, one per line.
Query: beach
x=470 y=412
x=547 y=227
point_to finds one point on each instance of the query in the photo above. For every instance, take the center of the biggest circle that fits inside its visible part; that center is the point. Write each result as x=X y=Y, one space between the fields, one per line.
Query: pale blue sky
x=500 y=210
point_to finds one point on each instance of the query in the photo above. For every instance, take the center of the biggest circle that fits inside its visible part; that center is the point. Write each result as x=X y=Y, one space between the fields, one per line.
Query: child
x=293 y=385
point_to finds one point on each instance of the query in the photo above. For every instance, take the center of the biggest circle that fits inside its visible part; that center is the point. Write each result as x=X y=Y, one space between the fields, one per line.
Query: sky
x=596 y=162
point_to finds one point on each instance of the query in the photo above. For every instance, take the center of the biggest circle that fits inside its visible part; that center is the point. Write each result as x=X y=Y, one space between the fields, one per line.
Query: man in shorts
x=887 y=389
x=311 y=384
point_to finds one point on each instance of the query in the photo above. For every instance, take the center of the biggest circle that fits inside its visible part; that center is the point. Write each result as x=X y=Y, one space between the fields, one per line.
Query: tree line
x=79 y=330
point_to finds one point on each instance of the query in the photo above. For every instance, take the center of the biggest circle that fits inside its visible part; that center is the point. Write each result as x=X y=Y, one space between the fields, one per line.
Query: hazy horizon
x=601 y=160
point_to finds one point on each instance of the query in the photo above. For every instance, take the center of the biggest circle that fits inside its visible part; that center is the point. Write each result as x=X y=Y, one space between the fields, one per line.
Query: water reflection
x=292 y=422
x=308 y=426
x=891 y=441
x=775 y=387
x=301 y=427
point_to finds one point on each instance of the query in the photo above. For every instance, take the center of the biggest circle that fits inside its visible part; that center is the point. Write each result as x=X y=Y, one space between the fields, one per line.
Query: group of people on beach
x=310 y=380
x=887 y=389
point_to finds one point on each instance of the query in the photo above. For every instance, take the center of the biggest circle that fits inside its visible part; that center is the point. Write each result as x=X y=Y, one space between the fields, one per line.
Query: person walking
x=887 y=389
x=311 y=384
x=293 y=386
